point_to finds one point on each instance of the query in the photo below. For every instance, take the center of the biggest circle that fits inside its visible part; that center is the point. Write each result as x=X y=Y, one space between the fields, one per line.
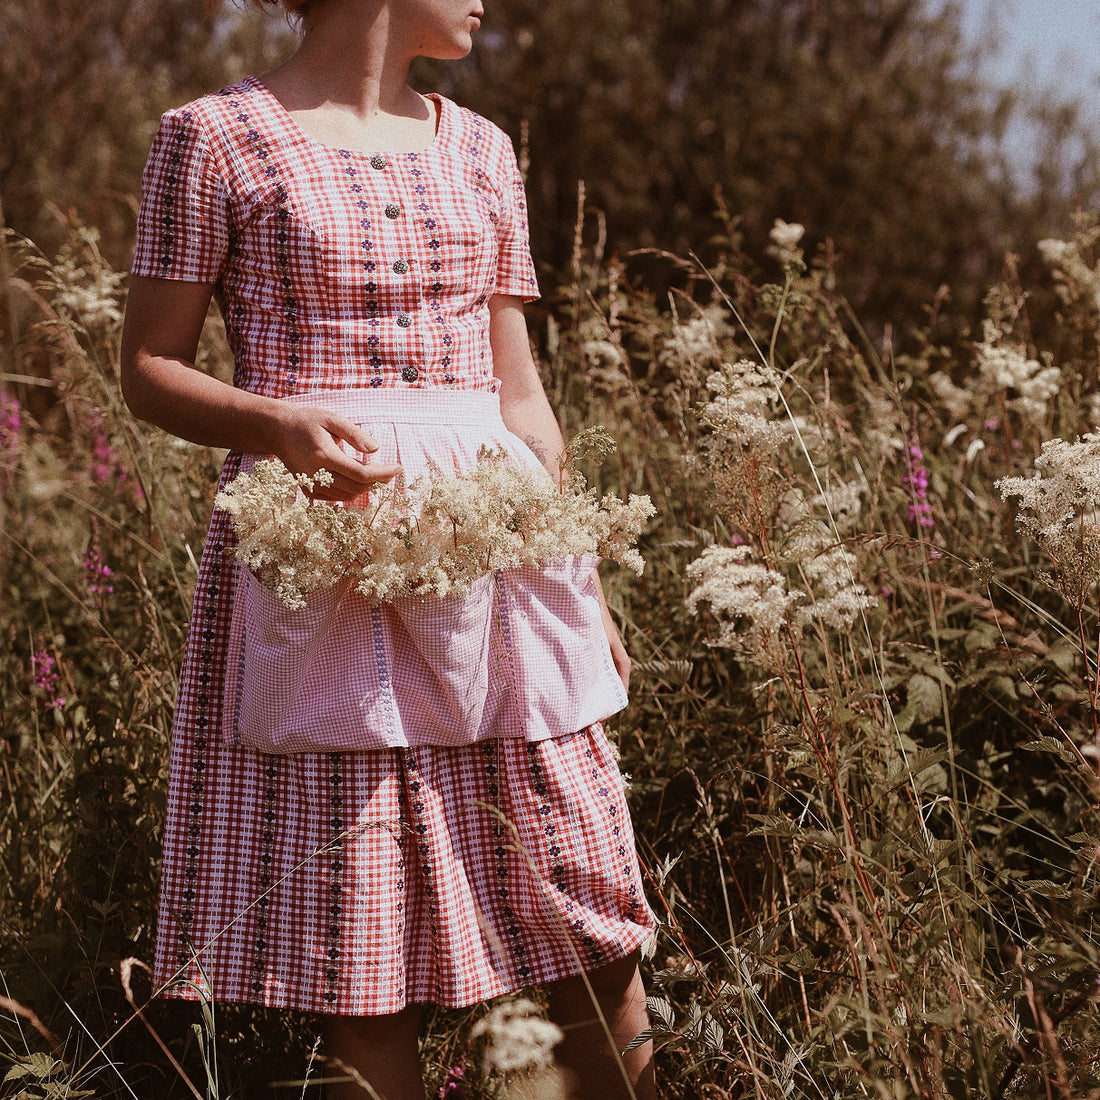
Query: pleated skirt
x=360 y=883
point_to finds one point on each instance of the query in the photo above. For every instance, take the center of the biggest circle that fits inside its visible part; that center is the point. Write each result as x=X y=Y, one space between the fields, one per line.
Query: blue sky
x=1047 y=42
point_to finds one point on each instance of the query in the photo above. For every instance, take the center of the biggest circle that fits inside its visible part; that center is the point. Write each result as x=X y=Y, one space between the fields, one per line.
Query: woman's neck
x=353 y=56
x=346 y=84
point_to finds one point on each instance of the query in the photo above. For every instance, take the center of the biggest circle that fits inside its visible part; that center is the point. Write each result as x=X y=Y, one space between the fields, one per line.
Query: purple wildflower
x=454 y=1086
x=106 y=466
x=916 y=481
x=46 y=678
x=97 y=573
x=103 y=466
x=11 y=420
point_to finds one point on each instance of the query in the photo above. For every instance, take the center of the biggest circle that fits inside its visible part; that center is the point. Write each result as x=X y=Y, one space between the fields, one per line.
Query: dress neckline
x=306 y=138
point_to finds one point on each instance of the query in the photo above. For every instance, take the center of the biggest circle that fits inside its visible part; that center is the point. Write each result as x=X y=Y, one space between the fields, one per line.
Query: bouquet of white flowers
x=433 y=537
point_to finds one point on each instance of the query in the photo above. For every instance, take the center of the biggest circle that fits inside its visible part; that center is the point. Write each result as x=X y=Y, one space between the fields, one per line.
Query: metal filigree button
x=378 y=161
x=404 y=320
x=400 y=267
x=410 y=373
x=393 y=210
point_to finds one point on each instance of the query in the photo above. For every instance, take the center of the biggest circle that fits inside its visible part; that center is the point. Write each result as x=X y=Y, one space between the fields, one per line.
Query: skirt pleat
x=360 y=883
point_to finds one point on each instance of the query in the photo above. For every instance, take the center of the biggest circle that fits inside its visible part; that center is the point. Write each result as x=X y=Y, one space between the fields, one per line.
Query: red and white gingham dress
x=435 y=857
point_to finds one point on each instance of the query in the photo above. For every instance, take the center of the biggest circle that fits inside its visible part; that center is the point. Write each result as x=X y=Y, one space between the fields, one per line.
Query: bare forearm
x=161 y=384
x=181 y=399
x=532 y=419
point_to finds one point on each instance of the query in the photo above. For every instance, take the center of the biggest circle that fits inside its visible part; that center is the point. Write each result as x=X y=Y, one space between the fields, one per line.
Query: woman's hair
x=292 y=7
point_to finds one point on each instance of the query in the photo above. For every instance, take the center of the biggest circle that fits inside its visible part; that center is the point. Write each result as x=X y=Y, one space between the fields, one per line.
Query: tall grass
x=862 y=749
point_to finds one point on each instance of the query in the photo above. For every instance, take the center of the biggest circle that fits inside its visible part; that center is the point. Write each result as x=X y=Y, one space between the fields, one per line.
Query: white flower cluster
x=958 y=402
x=744 y=396
x=434 y=537
x=834 y=598
x=87 y=289
x=785 y=238
x=807 y=577
x=1060 y=508
x=695 y=343
x=755 y=605
x=750 y=601
x=1003 y=368
x=1076 y=278
x=516 y=1037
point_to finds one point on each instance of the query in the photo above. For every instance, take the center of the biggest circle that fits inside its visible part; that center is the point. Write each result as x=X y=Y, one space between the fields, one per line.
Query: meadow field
x=863 y=751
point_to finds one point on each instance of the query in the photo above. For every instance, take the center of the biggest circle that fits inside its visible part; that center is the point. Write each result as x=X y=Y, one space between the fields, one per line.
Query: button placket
x=396 y=237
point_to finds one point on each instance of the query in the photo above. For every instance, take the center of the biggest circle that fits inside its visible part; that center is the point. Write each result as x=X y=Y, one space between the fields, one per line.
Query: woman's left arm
x=527 y=414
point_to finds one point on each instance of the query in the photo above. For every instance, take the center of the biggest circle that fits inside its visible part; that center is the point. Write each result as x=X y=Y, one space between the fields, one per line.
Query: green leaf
x=37 y=1065
x=661 y=1011
x=1052 y=745
x=905 y=769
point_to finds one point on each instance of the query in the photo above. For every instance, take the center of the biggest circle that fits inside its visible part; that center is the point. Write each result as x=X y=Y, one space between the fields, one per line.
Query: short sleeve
x=182 y=230
x=515 y=267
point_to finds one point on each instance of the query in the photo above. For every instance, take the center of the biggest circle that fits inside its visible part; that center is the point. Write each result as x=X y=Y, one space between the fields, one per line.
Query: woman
x=357 y=849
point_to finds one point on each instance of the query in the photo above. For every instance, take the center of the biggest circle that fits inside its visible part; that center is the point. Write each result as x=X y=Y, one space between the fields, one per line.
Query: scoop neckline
x=308 y=139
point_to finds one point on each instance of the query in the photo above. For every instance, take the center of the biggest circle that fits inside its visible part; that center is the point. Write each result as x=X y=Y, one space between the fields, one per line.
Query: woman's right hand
x=309 y=439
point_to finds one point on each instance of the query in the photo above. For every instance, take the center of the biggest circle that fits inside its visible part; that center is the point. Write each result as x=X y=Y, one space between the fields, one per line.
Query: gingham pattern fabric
x=336 y=268
x=359 y=882
x=524 y=655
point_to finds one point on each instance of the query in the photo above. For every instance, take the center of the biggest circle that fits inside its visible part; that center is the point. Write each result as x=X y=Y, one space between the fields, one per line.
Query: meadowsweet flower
x=835 y=599
x=750 y=601
x=88 y=290
x=958 y=402
x=785 y=238
x=882 y=430
x=695 y=343
x=602 y=353
x=516 y=1037
x=46 y=678
x=843 y=501
x=916 y=482
x=1059 y=507
x=432 y=538
x=1007 y=369
x=1074 y=277
x=743 y=402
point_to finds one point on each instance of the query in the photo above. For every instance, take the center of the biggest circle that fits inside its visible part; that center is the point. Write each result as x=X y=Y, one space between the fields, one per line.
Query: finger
x=362 y=480
x=351 y=433
x=360 y=473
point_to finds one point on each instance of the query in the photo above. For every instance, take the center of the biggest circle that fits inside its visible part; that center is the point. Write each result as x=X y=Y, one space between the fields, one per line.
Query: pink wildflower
x=97 y=573
x=916 y=481
x=11 y=420
x=453 y=1087
x=106 y=466
x=46 y=678
x=103 y=465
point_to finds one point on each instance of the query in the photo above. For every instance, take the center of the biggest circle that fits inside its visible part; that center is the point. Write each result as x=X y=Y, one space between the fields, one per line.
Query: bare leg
x=382 y=1050
x=586 y=1050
